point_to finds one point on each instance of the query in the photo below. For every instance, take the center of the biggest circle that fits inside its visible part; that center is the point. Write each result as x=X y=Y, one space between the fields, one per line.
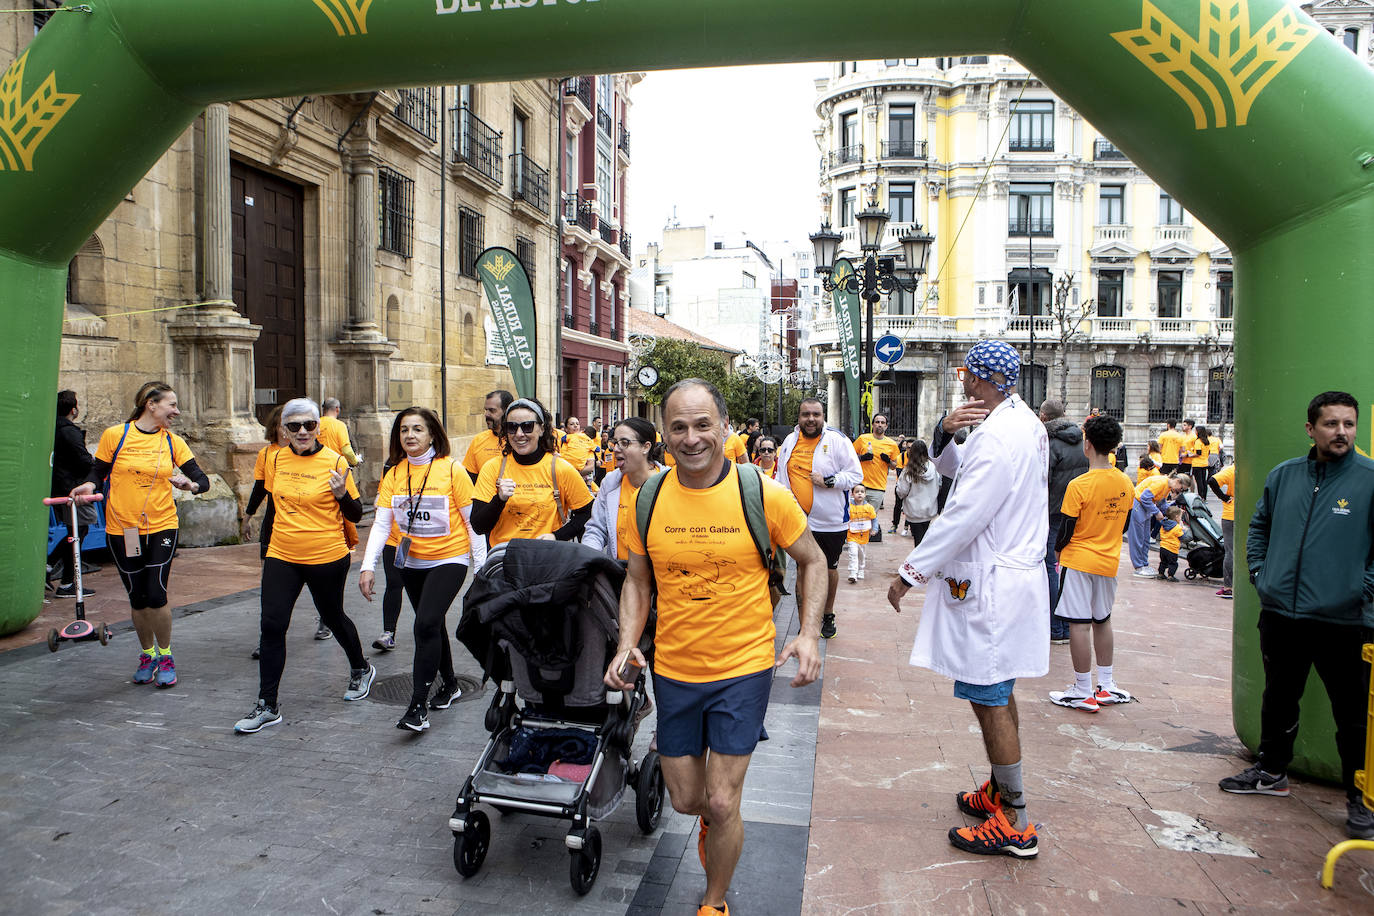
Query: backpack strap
x=751 y=498
x=557 y=501
x=645 y=500
x=124 y=435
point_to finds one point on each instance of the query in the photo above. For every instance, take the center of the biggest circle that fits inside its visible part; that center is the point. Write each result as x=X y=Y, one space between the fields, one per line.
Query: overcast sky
x=731 y=148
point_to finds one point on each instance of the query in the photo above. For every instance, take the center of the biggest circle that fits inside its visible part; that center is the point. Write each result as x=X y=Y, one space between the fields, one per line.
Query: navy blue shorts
x=725 y=716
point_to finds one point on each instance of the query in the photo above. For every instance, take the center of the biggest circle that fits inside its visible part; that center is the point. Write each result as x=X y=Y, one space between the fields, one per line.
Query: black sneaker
x=69 y=591
x=322 y=631
x=257 y=652
x=1359 y=820
x=445 y=695
x=828 y=626
x=1255 y=781
x=414 y=719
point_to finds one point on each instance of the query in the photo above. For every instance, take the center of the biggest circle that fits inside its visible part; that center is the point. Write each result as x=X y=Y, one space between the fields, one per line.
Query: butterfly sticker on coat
x=958 y=588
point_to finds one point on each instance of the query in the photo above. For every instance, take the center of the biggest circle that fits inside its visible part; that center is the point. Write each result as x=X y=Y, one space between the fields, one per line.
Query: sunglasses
x=296 y=426
x=526 y=427
x=766 y=451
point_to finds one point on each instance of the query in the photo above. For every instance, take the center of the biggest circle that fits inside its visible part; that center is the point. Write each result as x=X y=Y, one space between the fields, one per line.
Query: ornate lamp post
x=873 y=279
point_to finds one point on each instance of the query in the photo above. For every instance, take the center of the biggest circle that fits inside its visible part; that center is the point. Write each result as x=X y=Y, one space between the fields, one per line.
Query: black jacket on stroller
x=527 y=596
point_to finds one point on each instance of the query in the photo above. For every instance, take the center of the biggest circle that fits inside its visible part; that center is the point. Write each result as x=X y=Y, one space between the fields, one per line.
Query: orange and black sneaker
x=701 y=839
x=707 y=910
x=996 y=836
x=982 y=802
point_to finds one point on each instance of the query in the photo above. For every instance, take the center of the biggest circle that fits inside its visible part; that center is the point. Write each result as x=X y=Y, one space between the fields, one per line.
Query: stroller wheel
x=470 y=847
x=586 y=862
x=1189 y=574
x=649 y=793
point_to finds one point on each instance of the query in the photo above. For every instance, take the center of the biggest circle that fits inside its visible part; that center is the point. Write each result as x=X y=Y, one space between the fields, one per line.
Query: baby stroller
x=542 y=616
x=1206 y=549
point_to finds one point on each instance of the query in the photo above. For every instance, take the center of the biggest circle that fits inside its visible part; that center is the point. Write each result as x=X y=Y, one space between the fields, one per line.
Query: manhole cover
x=395 y=689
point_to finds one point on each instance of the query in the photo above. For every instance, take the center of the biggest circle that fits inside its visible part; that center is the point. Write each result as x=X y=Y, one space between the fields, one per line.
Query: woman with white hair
x=314 y=494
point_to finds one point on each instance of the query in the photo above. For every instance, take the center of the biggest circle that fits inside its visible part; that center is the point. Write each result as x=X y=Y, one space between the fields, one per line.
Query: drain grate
x=395 y=689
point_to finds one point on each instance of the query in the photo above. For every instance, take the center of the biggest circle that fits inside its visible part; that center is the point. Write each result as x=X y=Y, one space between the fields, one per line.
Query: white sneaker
x=1074 y=698
x=1105 y=696
x=1144 y=572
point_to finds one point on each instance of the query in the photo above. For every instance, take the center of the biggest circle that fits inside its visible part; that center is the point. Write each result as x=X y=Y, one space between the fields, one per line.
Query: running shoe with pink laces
x=147 y=667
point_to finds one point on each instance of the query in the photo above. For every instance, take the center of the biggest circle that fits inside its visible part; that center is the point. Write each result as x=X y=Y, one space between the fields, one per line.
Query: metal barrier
x=1364 y=781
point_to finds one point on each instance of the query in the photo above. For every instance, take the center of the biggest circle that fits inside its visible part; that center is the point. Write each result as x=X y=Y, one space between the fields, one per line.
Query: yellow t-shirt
x=1158 y=485
x=1226 y=479
x=309 y=524
x=1100 y=499
x=426 y=503
x=715 y=619
x=1157 y=458
x=799 y=471
x=264 y=455
x=531 y=511
x=736 y=448
x=1143 y=473
x=1200 y=451
x=140 y=492
x=624 y=518
x=875 y=471
x=607 y=458
x=334 y=435
x=860 y=522
x=1169 y=537
x=575 y=448
x=485 y=446
x=1169 y=442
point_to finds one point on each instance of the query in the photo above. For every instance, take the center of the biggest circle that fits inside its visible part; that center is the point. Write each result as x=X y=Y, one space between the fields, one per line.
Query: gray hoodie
x=1067 y=460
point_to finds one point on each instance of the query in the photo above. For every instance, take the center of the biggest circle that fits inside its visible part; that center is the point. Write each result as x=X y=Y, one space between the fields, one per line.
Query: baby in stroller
x=542 y=618
x=1206 y=549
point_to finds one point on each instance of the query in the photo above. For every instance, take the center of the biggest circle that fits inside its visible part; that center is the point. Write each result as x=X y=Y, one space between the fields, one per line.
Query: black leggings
x=281 y=586
x=394 y=591
x=431 y=592
x=145 y=576
x=897 y=513
x=1200 y=478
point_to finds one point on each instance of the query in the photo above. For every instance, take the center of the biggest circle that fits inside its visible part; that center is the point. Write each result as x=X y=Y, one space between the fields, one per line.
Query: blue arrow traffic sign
x=888 y=349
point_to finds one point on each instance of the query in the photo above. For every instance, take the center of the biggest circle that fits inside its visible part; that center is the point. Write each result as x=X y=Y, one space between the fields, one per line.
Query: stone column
x=362 y=270
x=216 y=242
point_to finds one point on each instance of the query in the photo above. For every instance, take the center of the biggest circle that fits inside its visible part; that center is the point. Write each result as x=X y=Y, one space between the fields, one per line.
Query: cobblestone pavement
x=123 y=799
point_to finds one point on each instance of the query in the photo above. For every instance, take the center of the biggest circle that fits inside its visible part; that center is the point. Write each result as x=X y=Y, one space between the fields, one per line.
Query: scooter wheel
x=104 y=634
x=52 y=640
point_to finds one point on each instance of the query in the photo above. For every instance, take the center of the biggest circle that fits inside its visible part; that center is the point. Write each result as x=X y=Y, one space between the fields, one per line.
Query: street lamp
x=872 y=280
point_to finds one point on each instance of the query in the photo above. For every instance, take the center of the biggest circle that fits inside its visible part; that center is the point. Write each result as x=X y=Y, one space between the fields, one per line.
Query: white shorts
x=1085 y=597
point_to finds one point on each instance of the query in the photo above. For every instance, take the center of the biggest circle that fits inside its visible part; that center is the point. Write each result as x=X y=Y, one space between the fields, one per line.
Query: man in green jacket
x=1311 y=558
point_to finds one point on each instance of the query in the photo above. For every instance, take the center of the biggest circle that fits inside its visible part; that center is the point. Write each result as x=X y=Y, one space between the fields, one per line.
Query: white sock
x=1104 y=677
x=1083 y=680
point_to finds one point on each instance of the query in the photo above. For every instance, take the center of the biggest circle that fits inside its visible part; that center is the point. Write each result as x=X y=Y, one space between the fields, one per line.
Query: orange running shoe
x=701 y=839
x=996 y=836
x=705 y=910
x=981 y=802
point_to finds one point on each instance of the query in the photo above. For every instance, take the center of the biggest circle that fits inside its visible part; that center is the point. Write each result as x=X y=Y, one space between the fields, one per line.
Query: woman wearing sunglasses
x=424 y=509
x=312 y=493
x=529 y=492
x=766 y=455
x=613 y=512
x=144 y=461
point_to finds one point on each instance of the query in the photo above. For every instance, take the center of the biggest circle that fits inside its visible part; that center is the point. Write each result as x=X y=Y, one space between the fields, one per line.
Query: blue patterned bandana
x=991 y=356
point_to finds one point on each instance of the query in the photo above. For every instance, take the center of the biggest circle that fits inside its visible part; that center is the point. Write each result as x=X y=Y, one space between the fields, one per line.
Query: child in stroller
x=1206 y=550
x=542 y=618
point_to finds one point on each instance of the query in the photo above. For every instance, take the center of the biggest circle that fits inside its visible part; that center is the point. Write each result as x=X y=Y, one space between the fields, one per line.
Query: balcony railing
x=903 y=149
x=1225 y=327
x=603 y=120
x=1031 y=145
x=569 y=321
x=594 y=329
x=1021 y=324
x=580 y=88
x=1016 y=328
x=624 y=142
x=1033 y=226
x=1120 y=233
x=625 y=243
x=1174 y=234
x=477 y=143
x=1114 y=327
x=579 y=211
x=1104 y=149
x=419 y=109
x=847 y=155
x=529 y=182
x=605 y=228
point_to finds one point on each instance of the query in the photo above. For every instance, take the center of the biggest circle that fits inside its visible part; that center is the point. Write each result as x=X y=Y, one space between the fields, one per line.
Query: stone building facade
x=322 y=247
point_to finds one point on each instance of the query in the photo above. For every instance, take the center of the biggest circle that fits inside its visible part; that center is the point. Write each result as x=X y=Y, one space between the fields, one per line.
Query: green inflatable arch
x=1242 y=109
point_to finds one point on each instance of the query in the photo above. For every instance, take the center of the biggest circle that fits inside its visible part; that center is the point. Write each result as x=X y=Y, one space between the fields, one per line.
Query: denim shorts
x=985 y=694
x=725 y=716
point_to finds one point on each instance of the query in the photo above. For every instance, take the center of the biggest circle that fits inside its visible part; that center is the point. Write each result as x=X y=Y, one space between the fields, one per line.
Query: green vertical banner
x=847 y=326
x=512 y=308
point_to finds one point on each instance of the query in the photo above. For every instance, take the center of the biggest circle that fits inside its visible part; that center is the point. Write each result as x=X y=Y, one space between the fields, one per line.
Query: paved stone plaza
x=125 y=799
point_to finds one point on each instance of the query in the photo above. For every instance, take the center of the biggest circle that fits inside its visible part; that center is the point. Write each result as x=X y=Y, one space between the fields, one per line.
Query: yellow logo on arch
x=1226 y=57
x=349 y=17
x=499 y=266
x=25 y=122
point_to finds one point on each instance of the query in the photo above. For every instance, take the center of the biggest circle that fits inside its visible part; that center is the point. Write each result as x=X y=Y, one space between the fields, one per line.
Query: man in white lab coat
x=986 y=618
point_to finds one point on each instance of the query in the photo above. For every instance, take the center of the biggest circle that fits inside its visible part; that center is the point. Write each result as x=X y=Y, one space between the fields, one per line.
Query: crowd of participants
x=1041 y=498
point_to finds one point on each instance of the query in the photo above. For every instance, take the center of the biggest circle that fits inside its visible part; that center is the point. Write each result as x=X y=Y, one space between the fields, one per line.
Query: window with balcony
x=1031 y=209
x=569 y=290
x=1225 y=304
x=469 y=241
x=396 y=203
x=1221 y=395
x=592 y=307
x=851 y=149
x=1351 y=39
x=805 y=273
x=1107 y=391
x=419 y=108
x=1032 y=383
x=1109 y=293
x=604 y=174
x=476 y=143
x=608 y=315
x=524 y=253
x=901 y=201
x=847 y=198
x=901 y=303
x=1169 y=286
x=1111 y=205
x=1031 y=290
x=1032 y=127
x=1166 y=393
x=1170 y=210
x=570 y=177
x=901 y=131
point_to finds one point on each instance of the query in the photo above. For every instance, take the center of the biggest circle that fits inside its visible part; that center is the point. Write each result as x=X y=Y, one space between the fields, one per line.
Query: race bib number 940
x=422 y=517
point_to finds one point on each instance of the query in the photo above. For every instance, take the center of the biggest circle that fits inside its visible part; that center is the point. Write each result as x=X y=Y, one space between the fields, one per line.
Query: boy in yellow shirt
x=1170 y=534
x=861 y=516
